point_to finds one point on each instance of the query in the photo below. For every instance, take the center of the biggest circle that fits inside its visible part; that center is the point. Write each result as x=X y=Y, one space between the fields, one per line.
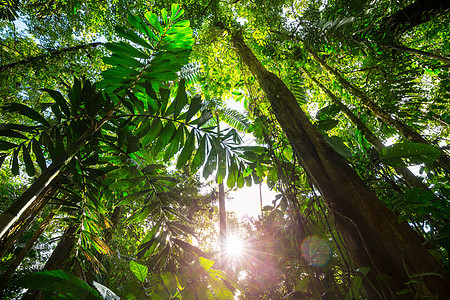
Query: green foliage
x=59 y=284
x=139 y=270
x=403 y=154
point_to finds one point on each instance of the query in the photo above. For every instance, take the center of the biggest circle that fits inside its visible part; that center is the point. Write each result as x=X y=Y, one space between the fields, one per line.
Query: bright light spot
x=234 y=246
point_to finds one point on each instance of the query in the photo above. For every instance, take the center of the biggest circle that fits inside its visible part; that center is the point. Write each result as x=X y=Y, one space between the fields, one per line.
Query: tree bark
x=412 y=180
x=370 y=230
x=415 y=14
x=404 y=129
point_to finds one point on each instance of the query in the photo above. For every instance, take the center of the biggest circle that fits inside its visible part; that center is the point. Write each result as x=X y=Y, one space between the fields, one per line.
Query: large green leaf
x=403 y=154
x=139 y=270
x=65 y=285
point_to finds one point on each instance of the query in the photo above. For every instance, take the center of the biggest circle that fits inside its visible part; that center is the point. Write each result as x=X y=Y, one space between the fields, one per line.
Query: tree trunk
x=404 y=129
x=222 y=214
x=23 y=253
x=60 y=258
x=416 y=52
x=412 y=180
x=415 y=14
x=16 y=211
x=371 y=232
x=223 y=224
x=22 y=224
x=51 y=54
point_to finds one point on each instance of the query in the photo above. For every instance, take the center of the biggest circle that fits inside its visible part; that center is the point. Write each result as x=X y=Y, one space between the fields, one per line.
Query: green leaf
x=59 y=99
x=199 y=157
x=139 y=270
x=26 y=111
x=328 y=112
x=15 y=163
x=205 y=117
x=164 y=137
x=176 y=12
x=165 y=93
x=129 y=35
x=325 y=125
x=65 y=285
x=4 y=145
x=38 y=154
x=403 y=154
x=153 y=20
x=126 y=49
x=132 y=197
x=154 y=132
x=29 y=166
x=181 y=98
x=205 y=263
x=211 y=163
x=174 y=145
x=338 y=145
x=13 y=134
x=194 y=107
x=187 y=151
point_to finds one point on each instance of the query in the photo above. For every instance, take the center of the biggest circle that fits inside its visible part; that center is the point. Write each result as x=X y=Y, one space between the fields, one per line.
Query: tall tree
x=386 y=247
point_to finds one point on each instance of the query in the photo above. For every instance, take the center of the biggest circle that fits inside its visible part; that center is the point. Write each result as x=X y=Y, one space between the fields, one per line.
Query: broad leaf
x=139 y=270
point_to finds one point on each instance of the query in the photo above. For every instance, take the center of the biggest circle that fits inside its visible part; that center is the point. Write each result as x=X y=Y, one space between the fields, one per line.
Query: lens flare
x=316 y=251
x=234 y=246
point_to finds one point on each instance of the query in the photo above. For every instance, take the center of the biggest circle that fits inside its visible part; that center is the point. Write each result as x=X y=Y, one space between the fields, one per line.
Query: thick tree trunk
x=415 y=14
x=412 y=180
x=404 y=129
x=371 y=232
x=16 y=211
x=23 y=253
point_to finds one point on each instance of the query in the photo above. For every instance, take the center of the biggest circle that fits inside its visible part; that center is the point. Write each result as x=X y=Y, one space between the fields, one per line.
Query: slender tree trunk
x=416 y=52
x=371 y=232
x=223 y=223
x=23 y=253
x=60 y=258
x=51 y=54
x=410 y=178
x=22 y=224
x=222 y=213
x=404 y=129
x=16 y=211
x=415 y=14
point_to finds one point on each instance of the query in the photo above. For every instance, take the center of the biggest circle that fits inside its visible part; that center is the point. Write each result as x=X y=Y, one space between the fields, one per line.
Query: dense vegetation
x=117 y=149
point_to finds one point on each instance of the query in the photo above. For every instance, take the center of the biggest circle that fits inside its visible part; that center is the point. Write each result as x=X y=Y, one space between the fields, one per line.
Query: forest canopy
x=120 y=143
